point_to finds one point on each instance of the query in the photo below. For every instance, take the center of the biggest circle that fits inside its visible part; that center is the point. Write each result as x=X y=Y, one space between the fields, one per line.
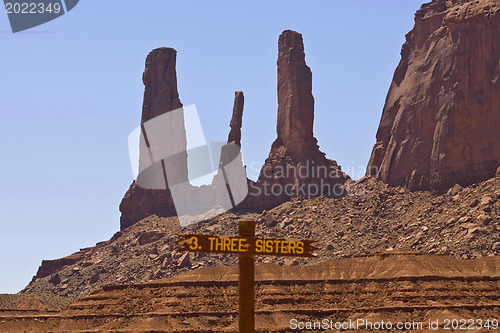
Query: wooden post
x=246 y=319
x=246 y=246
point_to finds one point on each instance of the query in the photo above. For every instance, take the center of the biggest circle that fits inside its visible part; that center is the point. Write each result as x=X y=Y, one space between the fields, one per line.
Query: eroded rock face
x=295 y=166
x=160 y=96
x=441 y=121
x=49 y=267
x=235 y=133
x=295 y=99
x=160 y=83
x=230 y=152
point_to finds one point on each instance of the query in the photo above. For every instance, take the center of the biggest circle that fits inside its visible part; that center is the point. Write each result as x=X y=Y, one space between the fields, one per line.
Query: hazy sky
x=71 y=92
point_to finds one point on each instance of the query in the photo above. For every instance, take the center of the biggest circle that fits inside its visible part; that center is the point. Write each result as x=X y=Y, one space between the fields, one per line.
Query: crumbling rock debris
x=94 y=278
x=184 y=260
x=454 y=190
x=484 y=219
x=55 y=279
x=270 y=221
x=149 y=237
x=344 y=227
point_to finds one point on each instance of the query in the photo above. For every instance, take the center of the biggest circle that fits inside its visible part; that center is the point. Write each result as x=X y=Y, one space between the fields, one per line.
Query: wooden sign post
x=246 y=283
x=247 y=246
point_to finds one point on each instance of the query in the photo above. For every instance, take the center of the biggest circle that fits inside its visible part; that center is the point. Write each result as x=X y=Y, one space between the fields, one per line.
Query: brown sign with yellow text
x=248 y=245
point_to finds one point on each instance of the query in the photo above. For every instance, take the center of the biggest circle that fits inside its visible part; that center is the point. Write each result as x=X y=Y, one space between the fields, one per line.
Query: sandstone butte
x=294 y=150
x=440 y=124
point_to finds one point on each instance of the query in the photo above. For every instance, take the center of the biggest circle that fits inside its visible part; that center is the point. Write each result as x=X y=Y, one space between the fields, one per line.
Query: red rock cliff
x=441 y=120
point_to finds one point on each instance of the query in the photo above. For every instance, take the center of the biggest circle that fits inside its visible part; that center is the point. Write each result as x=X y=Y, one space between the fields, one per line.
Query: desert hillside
x=400 y=288
x=463 y=223
x=415 y=240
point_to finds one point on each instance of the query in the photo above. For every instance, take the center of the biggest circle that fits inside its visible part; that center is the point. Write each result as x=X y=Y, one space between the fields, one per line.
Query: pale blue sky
x=71 y=92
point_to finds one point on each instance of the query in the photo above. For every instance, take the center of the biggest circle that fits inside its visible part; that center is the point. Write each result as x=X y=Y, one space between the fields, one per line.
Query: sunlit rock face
x=441 y=121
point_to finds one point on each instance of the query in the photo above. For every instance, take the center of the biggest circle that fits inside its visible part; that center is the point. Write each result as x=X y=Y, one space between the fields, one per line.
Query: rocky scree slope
x=463 y=223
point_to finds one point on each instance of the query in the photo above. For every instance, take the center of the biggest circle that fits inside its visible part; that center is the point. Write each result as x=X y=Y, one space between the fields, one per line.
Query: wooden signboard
x=246 y=245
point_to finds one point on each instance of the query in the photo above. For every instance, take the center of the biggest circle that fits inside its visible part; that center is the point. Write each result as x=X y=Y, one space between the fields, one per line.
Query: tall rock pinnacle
x=441 y=120
x=231 y=150
x=160 y=83
x=235 y=133
x=295 y=166
x=296 y=102
x=160 y=97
